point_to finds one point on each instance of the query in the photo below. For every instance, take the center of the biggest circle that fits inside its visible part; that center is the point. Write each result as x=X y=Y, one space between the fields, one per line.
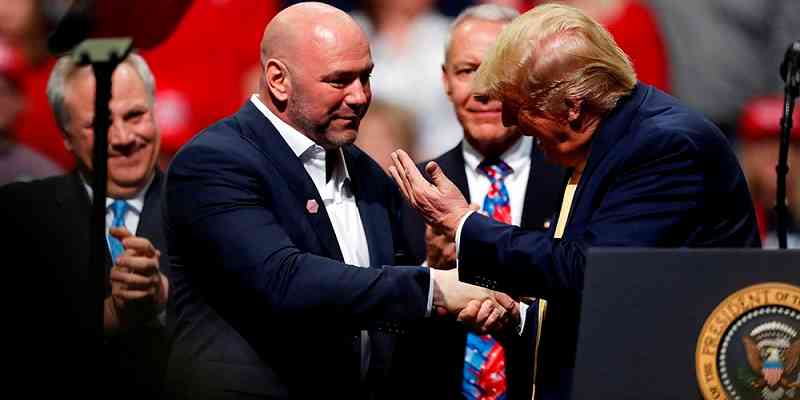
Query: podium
x=689 y=324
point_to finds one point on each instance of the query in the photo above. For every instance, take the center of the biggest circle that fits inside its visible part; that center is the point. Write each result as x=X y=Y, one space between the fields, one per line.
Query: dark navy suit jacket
x=434 y=357
x=658 y=175
x=264 y=304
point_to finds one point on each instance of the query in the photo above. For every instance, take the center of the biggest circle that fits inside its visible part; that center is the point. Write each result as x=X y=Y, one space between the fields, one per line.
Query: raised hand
x=440 y=203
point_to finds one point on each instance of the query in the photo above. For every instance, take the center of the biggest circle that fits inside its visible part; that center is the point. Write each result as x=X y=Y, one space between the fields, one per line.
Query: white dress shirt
x=518 y=157
x=340 y=202
x=134 y=211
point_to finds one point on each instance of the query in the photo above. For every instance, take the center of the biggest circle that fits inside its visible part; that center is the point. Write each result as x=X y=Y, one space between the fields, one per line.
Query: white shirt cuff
x=523 y=310
x=430 y=294
x=458 y=232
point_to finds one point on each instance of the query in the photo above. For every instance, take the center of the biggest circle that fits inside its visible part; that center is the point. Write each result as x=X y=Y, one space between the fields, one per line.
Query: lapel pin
x=312 y=207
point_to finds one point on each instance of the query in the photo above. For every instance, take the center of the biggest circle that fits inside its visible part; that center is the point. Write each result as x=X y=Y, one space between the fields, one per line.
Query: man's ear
x=276 y=76
x=575 y=112
x=574 y=109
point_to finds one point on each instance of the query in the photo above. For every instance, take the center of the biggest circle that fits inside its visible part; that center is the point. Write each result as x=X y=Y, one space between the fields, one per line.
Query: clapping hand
x=440 y=250
x=138 y=288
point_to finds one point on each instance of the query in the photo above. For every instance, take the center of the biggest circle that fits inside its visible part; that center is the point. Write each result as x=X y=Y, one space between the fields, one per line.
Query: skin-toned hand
x=138 y=289
x=440 y=203
x=450 y=296
x=478 y=314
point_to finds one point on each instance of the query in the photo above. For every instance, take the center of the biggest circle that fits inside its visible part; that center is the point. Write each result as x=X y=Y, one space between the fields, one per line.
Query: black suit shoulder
x=50 y=221
x=26 y=195
x=43 y=207
x=50 y=240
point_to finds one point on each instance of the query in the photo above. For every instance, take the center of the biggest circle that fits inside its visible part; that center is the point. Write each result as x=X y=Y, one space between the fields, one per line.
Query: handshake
x=483 y=309
x=442 y=206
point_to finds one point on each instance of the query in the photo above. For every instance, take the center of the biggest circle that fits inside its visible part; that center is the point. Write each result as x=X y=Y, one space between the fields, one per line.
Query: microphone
x=790 y=67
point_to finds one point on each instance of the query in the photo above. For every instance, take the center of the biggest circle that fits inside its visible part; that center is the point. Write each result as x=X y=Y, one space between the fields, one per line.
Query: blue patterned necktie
x=118 y=210
x=484 y=375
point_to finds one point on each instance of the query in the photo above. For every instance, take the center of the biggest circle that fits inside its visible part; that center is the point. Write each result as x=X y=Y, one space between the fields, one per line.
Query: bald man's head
x=316 y=65
x=297 y=24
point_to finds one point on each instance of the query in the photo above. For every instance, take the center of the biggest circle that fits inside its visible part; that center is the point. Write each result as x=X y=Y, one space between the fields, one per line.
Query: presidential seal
x=749 y=347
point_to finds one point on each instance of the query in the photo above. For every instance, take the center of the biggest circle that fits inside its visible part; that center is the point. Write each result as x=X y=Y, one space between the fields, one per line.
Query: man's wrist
x=459 y=228
x=452 y=225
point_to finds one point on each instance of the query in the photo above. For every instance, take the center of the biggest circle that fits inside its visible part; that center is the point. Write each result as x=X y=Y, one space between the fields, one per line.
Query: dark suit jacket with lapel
x=265 y=305
x=658 y=175
x=434 y=357
x=50 y=221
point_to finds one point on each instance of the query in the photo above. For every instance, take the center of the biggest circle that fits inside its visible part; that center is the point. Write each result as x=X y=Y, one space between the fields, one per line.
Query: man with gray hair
x=459 y=362
x=51 y=223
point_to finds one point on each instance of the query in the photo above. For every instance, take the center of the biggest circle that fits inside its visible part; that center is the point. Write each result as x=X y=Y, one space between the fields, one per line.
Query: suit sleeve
x=225 y=230
x=652 y=202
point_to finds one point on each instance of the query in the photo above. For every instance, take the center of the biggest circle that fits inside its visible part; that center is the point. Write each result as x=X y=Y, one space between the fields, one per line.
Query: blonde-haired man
x=491 y=159
x=645 y=172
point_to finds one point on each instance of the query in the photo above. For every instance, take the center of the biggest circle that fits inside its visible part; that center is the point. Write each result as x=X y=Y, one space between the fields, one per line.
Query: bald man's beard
x=296 y=112
x=317 y=131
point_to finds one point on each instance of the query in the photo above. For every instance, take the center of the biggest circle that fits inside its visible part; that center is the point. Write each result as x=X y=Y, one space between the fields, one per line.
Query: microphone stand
x=103 y=55
x=790 y=72
x=118 y=22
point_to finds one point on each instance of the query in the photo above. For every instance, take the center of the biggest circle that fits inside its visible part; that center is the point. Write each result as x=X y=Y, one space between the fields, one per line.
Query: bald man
x=279 y=230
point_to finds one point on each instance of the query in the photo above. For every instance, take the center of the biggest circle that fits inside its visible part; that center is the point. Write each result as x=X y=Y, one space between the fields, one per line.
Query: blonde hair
x=554 y=52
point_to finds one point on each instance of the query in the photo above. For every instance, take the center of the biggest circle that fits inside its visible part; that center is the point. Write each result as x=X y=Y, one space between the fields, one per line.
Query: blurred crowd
x=720 y=57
